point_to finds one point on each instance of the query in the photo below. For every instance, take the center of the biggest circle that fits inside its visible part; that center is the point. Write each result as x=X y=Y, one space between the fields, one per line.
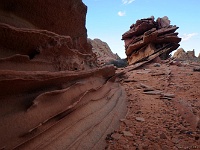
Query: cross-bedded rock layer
x=147 y=37
x=59 y=110
x=53 y=94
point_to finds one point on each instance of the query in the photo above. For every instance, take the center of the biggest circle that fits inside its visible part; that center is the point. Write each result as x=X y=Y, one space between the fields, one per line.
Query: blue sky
x=109 y=19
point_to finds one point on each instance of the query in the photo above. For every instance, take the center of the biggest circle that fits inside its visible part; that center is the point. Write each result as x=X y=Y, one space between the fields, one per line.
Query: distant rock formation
x=103 y=51
x=104 y=54
x=147 y=37
x=53 y=94
x=181 y=54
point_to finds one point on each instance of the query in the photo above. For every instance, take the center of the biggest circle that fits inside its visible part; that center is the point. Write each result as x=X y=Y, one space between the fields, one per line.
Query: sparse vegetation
x=119 y=63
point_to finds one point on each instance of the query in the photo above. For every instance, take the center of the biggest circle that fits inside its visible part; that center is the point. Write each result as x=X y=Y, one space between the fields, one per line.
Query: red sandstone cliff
x=53 y=95
x=102 y=51
x=61 y=17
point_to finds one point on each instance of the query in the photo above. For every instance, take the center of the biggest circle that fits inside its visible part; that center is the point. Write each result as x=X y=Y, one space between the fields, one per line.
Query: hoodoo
x=147 y=37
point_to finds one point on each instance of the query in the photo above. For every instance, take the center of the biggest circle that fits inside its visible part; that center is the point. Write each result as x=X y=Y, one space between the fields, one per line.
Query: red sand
x=167 y=100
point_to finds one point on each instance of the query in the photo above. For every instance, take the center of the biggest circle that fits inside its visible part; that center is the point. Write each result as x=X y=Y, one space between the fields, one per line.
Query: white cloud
x=121 y=13
x=127 y=1
x=186 y=37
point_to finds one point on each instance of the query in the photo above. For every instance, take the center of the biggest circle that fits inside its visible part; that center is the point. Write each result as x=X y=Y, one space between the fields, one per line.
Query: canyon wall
x=53 y=94
x=61 y=17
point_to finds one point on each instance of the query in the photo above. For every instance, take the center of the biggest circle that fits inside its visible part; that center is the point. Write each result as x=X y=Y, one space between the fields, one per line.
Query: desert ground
x=163 y=110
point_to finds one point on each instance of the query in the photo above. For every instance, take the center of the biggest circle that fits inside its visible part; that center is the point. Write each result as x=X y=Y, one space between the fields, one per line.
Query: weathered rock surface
x=103 y=51
x=61 y=17
x=53 y=94
x=40 y=50
x=59 y=110
x=147 y=37
x=166 y=121
x=181 y=54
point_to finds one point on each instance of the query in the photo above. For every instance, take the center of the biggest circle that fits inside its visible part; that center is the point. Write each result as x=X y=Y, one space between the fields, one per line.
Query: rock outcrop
x=104 y=54
x=40 y=50
x=147 y=37
x=53 y=94
x=103 y=51
x=181 y=54
x=59 y=110
x=61 y=17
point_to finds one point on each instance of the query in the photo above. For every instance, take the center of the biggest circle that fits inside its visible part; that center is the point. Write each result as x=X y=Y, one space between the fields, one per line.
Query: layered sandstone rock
x=40 y=50
x=103 y=51
x=61 y=17
x=147 y=37
x=59 y=110
x=53 y=95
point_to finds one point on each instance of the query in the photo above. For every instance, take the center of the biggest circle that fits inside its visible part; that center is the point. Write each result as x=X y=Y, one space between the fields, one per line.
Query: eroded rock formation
x=181 y=54
x=59 y=110
x=103 y=51
x=53 y=95
x=147 y=37
x=104 y=54
x=40 y=50
x=61 y=17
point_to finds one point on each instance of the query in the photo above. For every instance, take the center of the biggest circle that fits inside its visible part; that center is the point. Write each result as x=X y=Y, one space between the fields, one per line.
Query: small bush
x=120 y=63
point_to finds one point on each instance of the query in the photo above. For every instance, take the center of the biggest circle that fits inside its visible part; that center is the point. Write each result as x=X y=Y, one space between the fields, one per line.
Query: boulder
x=147 y=37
